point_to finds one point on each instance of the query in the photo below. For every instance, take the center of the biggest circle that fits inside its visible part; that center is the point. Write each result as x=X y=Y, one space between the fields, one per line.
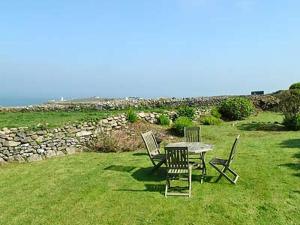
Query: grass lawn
x=53 y=119
x=116 y=188
x=56 y=118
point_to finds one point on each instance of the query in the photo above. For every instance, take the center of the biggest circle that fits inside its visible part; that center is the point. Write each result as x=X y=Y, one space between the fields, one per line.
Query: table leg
x=203 y=165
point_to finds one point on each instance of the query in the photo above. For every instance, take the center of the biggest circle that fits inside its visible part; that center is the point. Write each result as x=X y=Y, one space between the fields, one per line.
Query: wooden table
x=196 y=148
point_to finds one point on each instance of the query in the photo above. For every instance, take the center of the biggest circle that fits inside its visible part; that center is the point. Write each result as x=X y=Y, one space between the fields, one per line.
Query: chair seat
x=217 y=161
x=180 y=171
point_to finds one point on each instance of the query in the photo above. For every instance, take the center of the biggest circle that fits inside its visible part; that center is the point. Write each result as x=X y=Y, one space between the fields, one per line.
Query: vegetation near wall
x=290 y=106
x=236 y=108
x=180 y=123
x=295 y=86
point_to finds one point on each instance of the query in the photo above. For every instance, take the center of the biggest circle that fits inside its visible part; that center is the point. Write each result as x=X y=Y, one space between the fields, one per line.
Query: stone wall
x=25 y=145
x=119 y=104
x=22 y=144
x=262 y=101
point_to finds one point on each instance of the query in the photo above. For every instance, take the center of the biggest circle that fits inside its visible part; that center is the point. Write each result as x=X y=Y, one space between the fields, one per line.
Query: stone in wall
x=24 y=145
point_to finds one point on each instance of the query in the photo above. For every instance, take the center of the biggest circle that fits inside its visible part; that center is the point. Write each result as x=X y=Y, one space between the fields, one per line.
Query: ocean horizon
x=12 y=102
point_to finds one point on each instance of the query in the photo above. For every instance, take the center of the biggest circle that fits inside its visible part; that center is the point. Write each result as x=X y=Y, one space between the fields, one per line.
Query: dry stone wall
x=264 y=102
x=118 y=104
x=22 y=144
x=25 y=145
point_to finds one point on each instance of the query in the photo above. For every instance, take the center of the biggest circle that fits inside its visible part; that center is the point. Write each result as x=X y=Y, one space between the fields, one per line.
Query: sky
x=157 y=48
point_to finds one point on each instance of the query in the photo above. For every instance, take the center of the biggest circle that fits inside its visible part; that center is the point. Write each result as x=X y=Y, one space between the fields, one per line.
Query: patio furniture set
x=181 y=157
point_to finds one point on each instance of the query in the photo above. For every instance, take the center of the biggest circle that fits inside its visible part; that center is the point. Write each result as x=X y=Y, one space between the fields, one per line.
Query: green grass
x=57 y=118
x=116 y=188
x=54 y=119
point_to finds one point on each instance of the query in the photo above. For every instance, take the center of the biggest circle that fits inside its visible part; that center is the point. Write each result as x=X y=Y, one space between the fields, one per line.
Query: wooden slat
x=192 y=134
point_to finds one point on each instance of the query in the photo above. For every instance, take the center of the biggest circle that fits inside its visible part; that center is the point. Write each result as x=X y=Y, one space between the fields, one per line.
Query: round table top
x=193 y=147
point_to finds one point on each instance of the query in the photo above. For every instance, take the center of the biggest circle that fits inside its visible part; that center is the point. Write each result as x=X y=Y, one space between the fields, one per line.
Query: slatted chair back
x=192 y=134
x=151 y=144
x=233 y=150
x=177 y=157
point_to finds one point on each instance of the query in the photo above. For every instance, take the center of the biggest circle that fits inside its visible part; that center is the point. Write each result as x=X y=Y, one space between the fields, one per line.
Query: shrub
x=215 y=113
x=180 y=123
x=210 y=120
x=295 y=86
x=132 y=116
x=290 y=107
x=164 y=120
x=292 y=123
x=115 y=141
x=236 y=108
x=186 y=111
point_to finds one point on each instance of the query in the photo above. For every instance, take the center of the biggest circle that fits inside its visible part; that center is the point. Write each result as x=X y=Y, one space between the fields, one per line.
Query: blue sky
x=145 y=48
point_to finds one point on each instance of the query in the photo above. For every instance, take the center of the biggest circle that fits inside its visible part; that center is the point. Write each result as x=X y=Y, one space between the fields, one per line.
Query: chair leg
x=190 y=183
x=167 y=186
x=158 y=165
x=223 y=173
x=236 y=176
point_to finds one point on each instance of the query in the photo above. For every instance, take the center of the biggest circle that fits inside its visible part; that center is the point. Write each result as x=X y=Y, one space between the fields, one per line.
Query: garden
x=108 y=186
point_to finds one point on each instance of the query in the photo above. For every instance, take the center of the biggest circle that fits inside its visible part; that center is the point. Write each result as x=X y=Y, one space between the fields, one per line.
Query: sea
x=12 y=102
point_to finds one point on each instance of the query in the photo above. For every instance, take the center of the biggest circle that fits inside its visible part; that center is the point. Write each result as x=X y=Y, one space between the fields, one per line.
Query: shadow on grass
x=140 y=154
x=145 y=174
x=291 y=143
x=159 y=188
x=293 y=166
x=120 y=168
x=261 y=126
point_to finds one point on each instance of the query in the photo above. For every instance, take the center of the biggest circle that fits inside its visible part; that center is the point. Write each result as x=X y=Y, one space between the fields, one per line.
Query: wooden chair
x=152 y=147
x=178 y=168
x=225 y=164
x=192 y=134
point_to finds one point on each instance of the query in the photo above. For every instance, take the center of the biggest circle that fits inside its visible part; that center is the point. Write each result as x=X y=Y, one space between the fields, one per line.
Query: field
x=117 y=188
x=54 y=119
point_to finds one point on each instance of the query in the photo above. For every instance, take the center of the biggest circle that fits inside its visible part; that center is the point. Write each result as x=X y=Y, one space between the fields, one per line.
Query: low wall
x=25 y=145
x=22 y=144
x=264 y=102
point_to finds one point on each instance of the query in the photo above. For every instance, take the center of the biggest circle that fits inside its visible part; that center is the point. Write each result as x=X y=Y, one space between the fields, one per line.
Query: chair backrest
x=233 y=149
x=177 y=157
x=150 y=143
x=192 y=134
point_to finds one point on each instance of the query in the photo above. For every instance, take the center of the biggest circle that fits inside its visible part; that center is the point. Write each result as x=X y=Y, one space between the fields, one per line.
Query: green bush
x=132 y=116
x=186 y=111
x=290 y=107
x=164 y=120
x=210 y=120
x=295 y=86
x=236 y=108
x=292 y=123
x=215 y=113
x=180 y=123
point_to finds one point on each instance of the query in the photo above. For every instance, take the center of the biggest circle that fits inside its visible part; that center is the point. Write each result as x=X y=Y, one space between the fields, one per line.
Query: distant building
x=257 y=92
x=133 y=98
